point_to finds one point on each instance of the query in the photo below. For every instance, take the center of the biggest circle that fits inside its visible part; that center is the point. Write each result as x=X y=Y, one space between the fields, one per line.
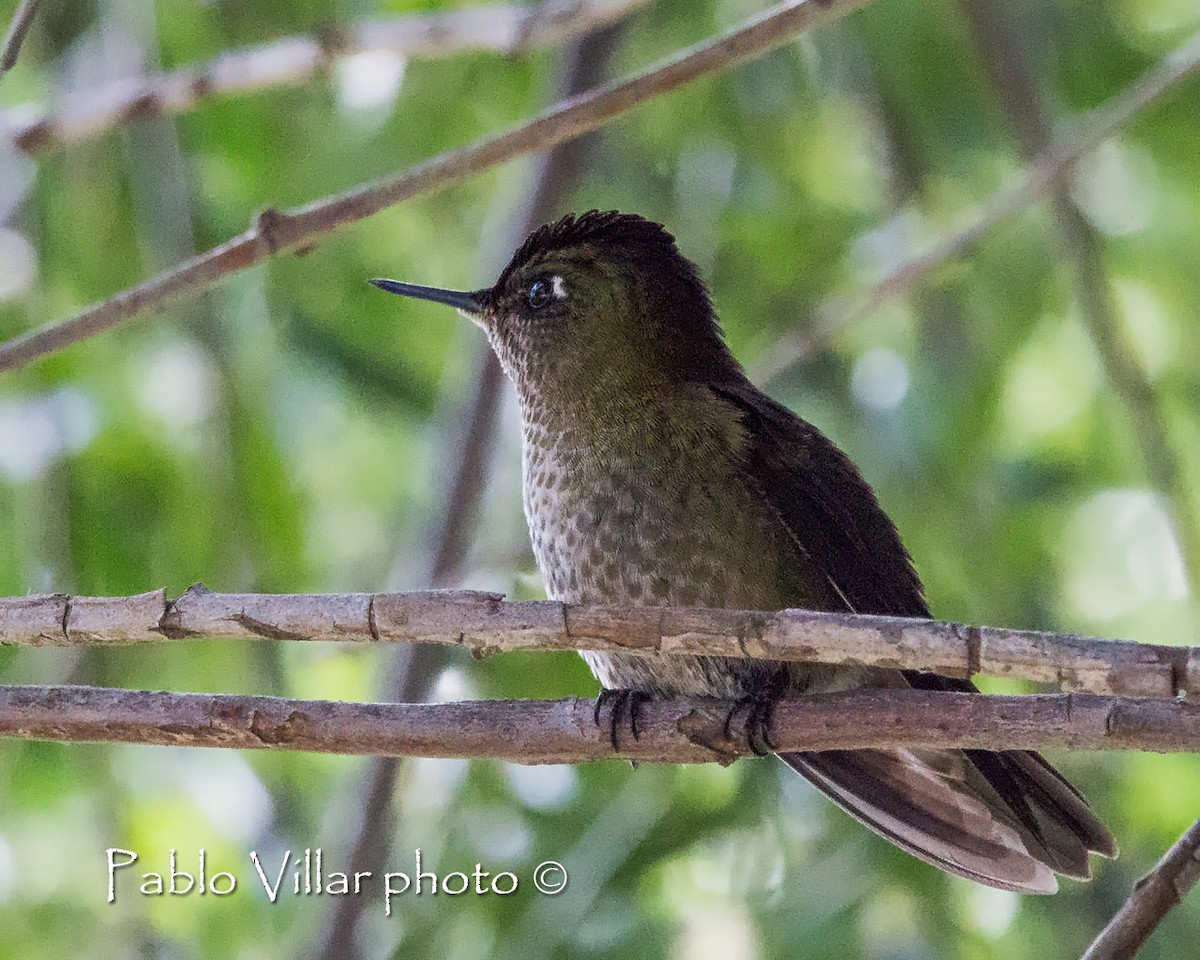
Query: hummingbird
x=655 y=473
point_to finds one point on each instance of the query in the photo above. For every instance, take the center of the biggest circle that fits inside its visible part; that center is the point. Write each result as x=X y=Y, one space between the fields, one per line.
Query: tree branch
x=1039 y=176
x=507 y=29
x=485 y=623
x=276 y=232
x=1152 y=898
x=1016 y=89
x=18 y=30
x=564 y=731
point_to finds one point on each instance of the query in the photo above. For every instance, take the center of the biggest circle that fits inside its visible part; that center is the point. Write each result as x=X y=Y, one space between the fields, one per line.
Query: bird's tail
x=1008 y=820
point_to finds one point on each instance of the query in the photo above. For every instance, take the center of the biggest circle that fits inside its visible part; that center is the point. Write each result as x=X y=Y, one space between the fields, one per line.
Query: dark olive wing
x=827 y=506
x=1005 y=819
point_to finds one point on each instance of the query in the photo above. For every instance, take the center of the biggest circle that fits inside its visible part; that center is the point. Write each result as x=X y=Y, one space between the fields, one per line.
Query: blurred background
x=1028 y=413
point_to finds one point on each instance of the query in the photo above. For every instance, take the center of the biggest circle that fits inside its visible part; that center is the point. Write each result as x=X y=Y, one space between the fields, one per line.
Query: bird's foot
x=758 y=708
x=625 y=705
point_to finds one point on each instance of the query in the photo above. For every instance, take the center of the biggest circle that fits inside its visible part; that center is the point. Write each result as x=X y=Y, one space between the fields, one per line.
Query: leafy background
x=294 y=430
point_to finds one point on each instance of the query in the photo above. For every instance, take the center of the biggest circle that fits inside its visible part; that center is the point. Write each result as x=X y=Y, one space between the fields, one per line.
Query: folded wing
x=1006 y=819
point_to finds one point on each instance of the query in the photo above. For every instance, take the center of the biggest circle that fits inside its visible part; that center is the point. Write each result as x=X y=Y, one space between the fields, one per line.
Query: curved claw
x=759 y=708
x=625 y=703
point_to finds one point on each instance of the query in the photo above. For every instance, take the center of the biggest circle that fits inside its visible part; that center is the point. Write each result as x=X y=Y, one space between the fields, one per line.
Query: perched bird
x=656 y=473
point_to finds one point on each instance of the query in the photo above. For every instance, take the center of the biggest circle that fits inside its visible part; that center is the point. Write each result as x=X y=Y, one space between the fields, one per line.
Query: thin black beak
x=466 y=302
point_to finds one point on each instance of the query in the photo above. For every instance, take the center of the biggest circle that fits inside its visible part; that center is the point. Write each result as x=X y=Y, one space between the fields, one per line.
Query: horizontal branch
x=485 y=623
x=1039 y=176
x=501 y=28
x=275 y=232
x=563 y=731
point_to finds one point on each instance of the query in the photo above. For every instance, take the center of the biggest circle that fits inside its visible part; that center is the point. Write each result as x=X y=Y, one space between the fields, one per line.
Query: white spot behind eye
x=556 y=284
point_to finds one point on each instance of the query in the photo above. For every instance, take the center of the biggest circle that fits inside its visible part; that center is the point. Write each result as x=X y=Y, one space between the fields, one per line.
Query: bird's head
x=593 y=306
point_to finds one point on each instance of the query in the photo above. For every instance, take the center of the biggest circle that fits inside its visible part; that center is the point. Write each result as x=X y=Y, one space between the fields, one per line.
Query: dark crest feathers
x=672 y=291
x=609 y=228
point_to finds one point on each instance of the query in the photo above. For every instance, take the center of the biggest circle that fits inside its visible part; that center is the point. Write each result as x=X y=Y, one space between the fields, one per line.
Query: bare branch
x=485 y=623
x=1152 y=898
x=18 y=30
x=502 y=28
x=275 y=232
x=564 y=731
x=1039 y=176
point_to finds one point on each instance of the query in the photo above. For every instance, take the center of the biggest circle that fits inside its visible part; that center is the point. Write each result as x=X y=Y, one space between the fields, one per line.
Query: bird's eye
x=540 y=293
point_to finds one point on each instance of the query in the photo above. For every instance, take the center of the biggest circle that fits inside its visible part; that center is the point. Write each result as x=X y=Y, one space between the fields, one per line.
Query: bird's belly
x=668 y=675
x=627 y=543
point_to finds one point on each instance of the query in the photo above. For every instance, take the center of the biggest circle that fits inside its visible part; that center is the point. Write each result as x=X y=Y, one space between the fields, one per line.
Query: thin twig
x=275 y=232
x=1039 y=176
x=1012 y=78
x=566 y=731
x=485 y=623
x=1152 y=898
x=501 y=28
x=18 y=30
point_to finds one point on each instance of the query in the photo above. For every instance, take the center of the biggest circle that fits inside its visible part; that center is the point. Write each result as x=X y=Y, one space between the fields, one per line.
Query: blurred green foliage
x=289 y=431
